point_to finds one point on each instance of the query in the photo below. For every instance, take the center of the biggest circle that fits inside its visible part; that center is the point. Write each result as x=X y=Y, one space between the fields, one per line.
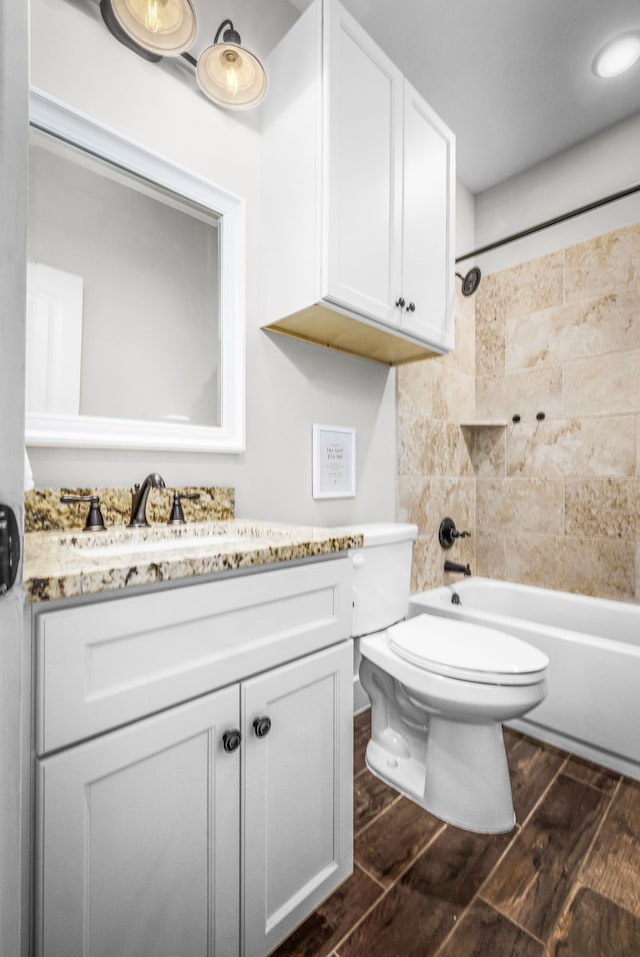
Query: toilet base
x=463 y=779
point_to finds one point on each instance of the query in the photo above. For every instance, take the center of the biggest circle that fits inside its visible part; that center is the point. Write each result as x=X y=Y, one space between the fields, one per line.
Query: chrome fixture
x=139 y=499
x=455 y=567
x=227 y=73
x=447 y=533
x=471 y=281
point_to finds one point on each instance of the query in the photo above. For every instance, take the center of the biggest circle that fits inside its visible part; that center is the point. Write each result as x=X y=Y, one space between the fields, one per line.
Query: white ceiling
x=512 y=78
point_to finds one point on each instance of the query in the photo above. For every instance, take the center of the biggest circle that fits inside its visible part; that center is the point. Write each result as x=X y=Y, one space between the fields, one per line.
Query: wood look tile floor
x=564 y=883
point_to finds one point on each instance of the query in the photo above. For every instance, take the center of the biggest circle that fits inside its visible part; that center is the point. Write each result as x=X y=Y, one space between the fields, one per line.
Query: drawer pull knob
x=262 y=726
x=231 y=740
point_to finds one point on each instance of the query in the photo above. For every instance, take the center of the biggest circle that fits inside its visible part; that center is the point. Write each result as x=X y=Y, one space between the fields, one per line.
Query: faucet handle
x=95 y=521
x=447 y=533
x=177 y=514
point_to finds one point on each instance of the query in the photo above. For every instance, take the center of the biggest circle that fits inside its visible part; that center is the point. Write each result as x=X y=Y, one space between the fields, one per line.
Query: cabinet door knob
x=411 y=307
x=231 y=740
x=400 y=302
x=262 y=726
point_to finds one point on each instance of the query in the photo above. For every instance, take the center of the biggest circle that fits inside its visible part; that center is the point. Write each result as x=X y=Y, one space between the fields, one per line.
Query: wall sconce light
x=230 y=75
x=226 y=72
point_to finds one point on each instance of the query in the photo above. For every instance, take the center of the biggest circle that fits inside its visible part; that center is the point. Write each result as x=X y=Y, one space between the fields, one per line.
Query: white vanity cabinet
x=359 y=197
x=194 y=770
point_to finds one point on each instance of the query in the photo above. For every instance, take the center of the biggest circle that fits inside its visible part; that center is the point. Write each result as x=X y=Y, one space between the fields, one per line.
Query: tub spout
x=455 y=567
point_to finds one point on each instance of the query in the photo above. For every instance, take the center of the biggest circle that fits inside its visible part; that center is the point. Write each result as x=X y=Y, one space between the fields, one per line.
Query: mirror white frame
x=56 y=118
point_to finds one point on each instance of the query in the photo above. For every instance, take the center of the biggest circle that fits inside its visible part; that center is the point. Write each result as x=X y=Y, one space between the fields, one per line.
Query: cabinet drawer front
x=105 y=664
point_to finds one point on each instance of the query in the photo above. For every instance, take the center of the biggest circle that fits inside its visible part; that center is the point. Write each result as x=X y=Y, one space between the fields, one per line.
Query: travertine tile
x=489 y=452
x=414 y=387
x=441 y=452
x=412 y=432
x=588 y=447
x=603 y=508
x=491 y=397
x=606 y=385
x=527 y=287
x=522 y=505
x=605 y=264
x=491 y=553
x=466 y=452
x=522 y=393
x=414 y=500
x=604 y=568
x=426 y=566
x=464 y=352
x=454 y=396
x=589 y=327
x=490 y=343
x=540 y=390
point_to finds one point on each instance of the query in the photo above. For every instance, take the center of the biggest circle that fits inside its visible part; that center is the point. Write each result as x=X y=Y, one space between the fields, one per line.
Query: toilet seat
x=466 y=651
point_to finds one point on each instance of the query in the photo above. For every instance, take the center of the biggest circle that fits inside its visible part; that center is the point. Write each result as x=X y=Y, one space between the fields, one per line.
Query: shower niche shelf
x=485 y=424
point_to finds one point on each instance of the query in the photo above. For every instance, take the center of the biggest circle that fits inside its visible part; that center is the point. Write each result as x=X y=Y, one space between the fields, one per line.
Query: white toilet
x=439 y=690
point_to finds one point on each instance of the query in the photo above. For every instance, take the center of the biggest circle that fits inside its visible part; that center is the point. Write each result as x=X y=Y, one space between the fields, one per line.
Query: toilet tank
x=381 y=575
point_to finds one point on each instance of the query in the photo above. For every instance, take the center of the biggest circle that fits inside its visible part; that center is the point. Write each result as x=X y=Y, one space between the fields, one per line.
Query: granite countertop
x=62 y=563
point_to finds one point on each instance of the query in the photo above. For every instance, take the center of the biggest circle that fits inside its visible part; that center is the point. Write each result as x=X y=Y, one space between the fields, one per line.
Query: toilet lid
x=466 y=651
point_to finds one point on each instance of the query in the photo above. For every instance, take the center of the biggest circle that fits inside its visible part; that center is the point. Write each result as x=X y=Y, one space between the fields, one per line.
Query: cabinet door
x=428 y=218
x=298 y=812
x=138 y=844
x=363 y=178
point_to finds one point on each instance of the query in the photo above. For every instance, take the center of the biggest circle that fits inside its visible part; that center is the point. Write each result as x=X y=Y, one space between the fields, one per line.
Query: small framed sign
x=334 y=462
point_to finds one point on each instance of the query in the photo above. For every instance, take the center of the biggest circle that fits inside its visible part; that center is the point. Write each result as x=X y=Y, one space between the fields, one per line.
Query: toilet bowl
x=439 y=695
x=439 y=691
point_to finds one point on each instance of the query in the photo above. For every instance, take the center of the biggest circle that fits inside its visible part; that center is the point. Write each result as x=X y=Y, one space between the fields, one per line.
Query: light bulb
x=232 y=65
x=152 y=16
x=618 y=56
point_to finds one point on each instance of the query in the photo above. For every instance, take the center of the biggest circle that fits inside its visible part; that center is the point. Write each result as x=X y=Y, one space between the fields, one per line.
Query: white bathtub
x=593 y=705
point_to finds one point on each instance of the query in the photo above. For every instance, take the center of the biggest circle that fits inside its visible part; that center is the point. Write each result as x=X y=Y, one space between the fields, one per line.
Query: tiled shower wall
x=551 y=501
x=558 y=499
x=435 y=469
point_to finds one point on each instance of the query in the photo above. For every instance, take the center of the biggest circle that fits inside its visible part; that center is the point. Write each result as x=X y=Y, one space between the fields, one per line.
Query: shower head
x=470 y=282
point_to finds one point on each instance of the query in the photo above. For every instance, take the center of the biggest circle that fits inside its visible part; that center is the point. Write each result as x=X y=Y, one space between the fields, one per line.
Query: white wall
x=290 y=385
x=602 y=165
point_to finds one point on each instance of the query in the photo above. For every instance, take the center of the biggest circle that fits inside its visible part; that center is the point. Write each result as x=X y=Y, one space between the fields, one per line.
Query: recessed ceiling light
x=617 y=56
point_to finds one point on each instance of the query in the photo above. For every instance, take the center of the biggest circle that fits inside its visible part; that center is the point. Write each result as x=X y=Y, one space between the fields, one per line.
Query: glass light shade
x=164 y=27
x=231 y=76
x=617 y=56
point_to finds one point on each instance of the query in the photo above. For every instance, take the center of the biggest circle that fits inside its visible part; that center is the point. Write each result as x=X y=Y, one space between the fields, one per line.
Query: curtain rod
x=551 y=222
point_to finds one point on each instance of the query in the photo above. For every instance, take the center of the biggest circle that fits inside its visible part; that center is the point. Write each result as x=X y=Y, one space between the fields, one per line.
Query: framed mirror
x=135 y=294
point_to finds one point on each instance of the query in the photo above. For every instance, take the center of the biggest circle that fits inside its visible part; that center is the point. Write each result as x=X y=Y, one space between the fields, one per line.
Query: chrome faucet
x=139 y=499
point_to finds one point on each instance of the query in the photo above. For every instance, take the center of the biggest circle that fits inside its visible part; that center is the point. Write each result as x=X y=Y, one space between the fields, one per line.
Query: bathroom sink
x=154 y=545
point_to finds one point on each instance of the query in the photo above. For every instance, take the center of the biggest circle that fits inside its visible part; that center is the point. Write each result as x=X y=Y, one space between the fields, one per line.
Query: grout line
x=605 y=815
x=386 y=890
x=375 y=879
x=365 y=827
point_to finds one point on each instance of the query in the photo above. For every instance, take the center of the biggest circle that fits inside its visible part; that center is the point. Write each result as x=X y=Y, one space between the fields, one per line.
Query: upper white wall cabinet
x=358 y=197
